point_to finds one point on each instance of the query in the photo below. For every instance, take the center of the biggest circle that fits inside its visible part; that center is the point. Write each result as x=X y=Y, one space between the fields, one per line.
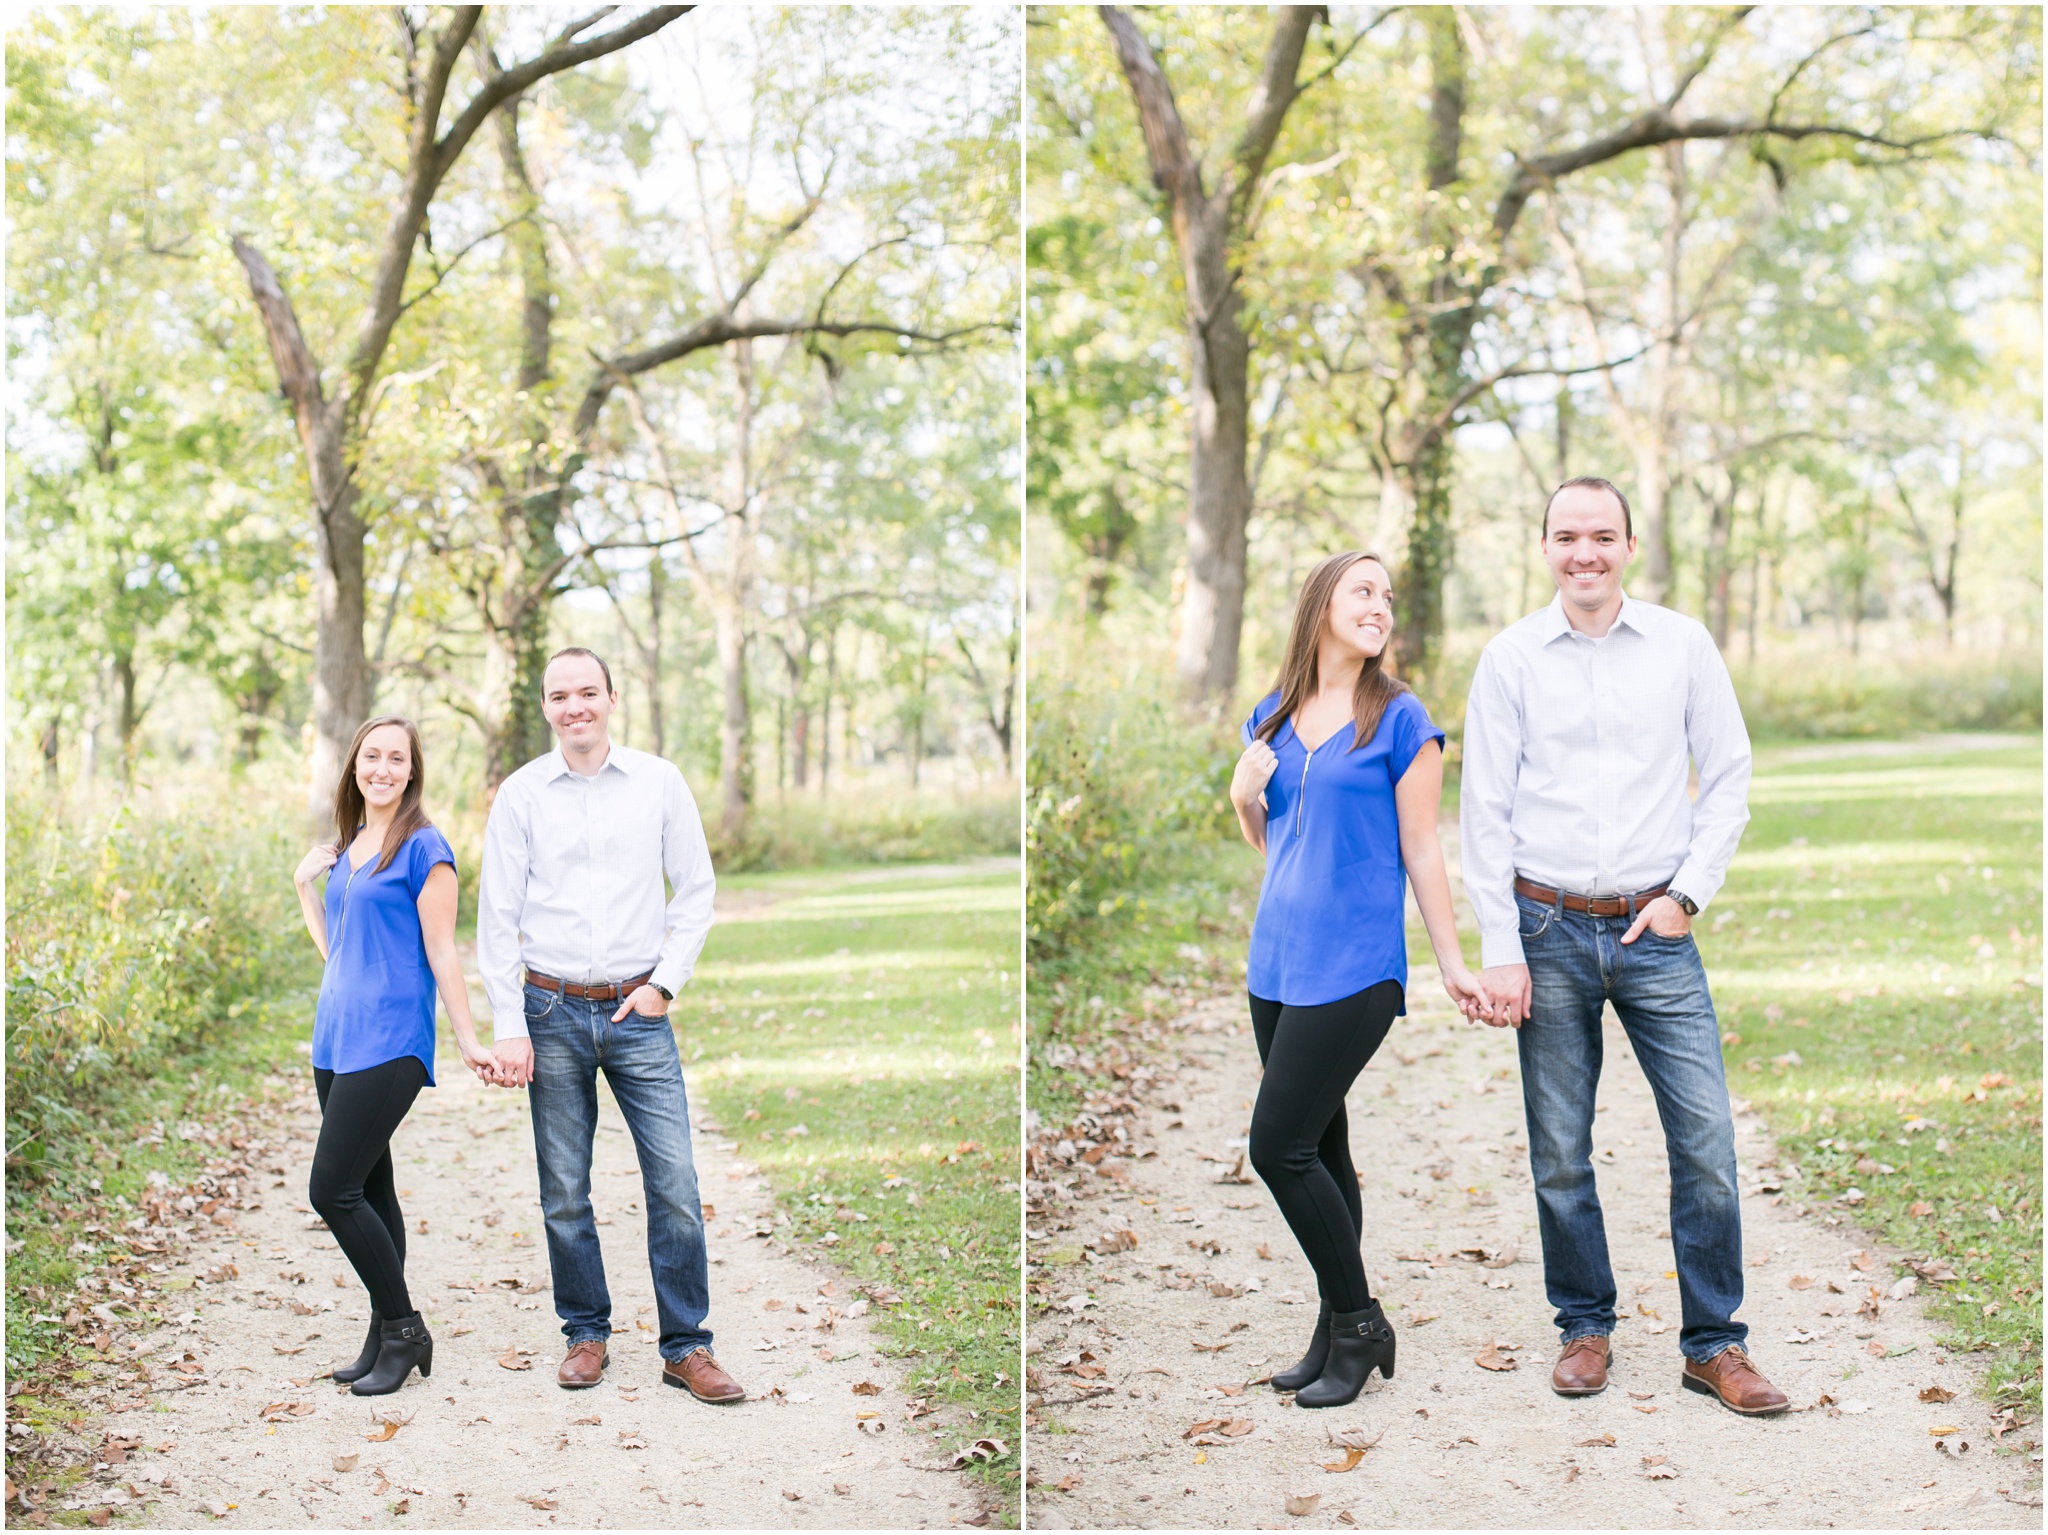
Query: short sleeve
x=425 y=848
x=1260 y=711
x=1410 y=729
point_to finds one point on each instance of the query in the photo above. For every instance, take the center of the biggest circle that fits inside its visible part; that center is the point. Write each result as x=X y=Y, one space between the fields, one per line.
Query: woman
x=1338 y=788
x=387 y=931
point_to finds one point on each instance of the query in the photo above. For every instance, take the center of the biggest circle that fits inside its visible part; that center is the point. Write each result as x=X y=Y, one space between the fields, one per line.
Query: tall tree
x=333 y=411
x=1211 y=225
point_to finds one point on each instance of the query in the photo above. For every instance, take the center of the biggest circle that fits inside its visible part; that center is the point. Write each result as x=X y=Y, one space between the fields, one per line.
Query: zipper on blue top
x=1301 y=794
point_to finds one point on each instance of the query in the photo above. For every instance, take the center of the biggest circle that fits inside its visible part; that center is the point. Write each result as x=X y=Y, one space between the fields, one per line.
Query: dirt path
x=255 y=1440
x=1145 y=1343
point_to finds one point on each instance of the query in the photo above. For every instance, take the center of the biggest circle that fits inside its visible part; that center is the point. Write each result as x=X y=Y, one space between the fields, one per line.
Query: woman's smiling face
x=384 y=766
x=1362 y=608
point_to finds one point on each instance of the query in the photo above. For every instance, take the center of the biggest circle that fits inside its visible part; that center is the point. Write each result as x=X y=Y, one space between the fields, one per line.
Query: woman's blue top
x=377 y=996
x=1330 y=919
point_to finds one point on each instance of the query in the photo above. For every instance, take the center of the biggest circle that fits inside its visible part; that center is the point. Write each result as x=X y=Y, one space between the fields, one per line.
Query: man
x=1586 y=862
x=581 y=957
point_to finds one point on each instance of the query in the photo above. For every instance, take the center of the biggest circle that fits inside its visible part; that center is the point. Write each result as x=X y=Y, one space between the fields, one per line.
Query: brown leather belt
x=610 y=991
x=1593 y=906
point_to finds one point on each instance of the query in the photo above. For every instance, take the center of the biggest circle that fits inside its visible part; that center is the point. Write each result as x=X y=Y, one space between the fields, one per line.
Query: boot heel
x=427 y=1361
x=1387 y=1364
x=1360 y=1342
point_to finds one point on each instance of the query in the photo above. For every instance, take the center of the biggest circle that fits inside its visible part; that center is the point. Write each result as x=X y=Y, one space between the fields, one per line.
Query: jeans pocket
x=1542 y=916
x=540 y=1003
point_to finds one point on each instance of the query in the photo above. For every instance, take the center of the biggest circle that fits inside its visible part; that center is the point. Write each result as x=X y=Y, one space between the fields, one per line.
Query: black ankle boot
x=1311 y=1367
x=1360 y=1342
x=404 y=1343
x=366 y=1361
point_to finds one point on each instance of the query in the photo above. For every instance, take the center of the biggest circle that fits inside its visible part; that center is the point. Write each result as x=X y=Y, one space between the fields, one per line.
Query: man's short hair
x=578 y=650
x=1585 y=481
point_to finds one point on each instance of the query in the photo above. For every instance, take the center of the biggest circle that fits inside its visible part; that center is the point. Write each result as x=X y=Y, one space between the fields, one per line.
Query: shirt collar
x=558 y=763
x=1554 y=623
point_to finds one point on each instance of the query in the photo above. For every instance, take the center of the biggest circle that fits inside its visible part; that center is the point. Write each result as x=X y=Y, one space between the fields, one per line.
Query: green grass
x=1869 y=1025
x=857 y=1033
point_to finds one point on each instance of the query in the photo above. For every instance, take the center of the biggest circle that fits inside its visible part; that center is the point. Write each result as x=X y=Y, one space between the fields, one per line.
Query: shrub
x=869 y=824
x=134 y=933
x=1800 y=697
x=1118 y=777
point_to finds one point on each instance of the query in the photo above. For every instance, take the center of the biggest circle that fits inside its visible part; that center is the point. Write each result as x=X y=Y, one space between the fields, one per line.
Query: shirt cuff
x=671 y=978
x=1504 y=948
x=1694 y=881
x=508 y=1025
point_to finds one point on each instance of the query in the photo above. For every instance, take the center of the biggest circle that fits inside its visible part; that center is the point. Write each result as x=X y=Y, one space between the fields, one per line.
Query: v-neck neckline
x=1326 y=740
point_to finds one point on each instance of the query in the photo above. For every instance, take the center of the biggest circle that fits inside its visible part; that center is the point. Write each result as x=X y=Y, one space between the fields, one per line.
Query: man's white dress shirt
x=572 y=879
x=1575 y=759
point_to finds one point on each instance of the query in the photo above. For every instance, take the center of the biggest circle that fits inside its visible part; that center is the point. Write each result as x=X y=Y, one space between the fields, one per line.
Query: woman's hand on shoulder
x=1254 y=770
x=316 y=863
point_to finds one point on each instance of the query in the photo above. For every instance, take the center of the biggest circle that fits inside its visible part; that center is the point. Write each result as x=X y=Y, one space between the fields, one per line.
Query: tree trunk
x=50 y=745
x=825 y=712
x=127 y=718
x=729 y=613
x=1207 y=227
x=735 y=764
x=1720 y=525
x=1219 y=497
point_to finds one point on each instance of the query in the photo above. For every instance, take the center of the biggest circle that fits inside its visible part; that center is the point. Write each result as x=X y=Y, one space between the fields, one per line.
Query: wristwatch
x=1692 y=907
x=669 y=996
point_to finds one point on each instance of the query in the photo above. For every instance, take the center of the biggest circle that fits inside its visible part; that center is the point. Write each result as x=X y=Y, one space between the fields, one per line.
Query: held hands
x=1505 y=991
x=645 y=1001
x=316 y=863
x=513 y=1059
x=1663 y=916
x=1254 y=770
x=481 y=1061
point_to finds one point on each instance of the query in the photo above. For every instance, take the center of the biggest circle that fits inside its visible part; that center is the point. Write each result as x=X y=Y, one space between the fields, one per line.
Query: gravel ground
x=1143 y=1344
x=259 y=1439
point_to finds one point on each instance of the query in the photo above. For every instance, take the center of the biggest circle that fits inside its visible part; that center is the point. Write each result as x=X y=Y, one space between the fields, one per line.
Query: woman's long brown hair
x=1377 y=685
x=349 y=809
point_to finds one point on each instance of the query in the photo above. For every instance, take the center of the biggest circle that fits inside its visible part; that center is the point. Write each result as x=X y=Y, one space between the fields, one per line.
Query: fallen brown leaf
x=1302 y=1504
x=1491 y=1358
x=384 y=1431
x=538 y=1501
x=1351 y=1459
x=510 y=1360
x=1937 y=1394
x=579 y=1422
x=1209 y=1348
x=1799 y=1282
x=346 y=1462
x=1604 y=1442
x=866 y=1388
x=1068 y=1482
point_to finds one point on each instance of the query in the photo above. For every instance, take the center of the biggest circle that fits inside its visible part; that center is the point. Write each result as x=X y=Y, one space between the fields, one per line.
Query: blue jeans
x=574 y=1039
x=1659 y=991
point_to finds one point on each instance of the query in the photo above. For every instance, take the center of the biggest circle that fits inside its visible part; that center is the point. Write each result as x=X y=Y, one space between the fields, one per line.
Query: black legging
x=1301 y=1140
x=352 y=1185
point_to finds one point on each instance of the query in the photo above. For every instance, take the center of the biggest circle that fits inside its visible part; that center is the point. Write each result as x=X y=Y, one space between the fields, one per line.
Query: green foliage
x=133 y=934
x=1843 y=696
x=1876 y=959
x=1117 y=775
x=872 y=826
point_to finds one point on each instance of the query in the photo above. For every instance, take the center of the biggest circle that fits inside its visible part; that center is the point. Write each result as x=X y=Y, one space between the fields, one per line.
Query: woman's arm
x=1416 y=800
x=1248 y=791
x=437 y=928
x=311 y=907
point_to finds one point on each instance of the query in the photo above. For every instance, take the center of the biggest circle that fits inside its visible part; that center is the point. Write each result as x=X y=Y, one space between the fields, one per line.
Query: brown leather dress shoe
x=1730 y=1376
x=700 y=1375
x=1581 y=1370
x=584 y=1366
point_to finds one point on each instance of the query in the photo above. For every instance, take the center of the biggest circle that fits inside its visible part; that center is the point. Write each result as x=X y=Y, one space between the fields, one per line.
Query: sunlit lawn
x=1876 y=958
x=856 y=1031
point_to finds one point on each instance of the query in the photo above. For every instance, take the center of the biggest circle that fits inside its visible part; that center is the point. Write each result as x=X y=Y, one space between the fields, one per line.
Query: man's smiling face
x=1587 y=546
x=576 y=702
